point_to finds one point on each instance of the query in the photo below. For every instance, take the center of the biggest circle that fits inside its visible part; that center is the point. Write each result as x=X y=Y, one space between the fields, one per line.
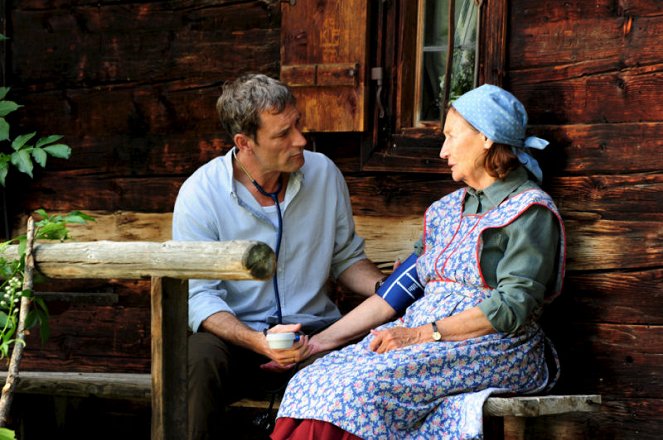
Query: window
x=437 y=59
x=413 y=50
x=377 y=70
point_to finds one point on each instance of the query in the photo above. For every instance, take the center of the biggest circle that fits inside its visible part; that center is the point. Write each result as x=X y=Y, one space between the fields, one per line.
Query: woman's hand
x=394 y=338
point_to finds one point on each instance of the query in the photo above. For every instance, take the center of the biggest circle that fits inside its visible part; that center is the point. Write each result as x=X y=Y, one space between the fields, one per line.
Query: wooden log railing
x=169 y=265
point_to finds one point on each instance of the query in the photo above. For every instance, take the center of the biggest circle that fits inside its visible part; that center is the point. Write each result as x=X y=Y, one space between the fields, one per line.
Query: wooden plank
x=608 y=149
x=626 y=33
x=126 y=385
x=617 y=418
x=115 y=385
x=632 y=95
x=633 y=297
x=611 y=149
x=615 y=360
x=88 y=338
x=607 y=244
x=534 y=406
x=610 y=197
x=101 y=192
x=595 y=151
x=169 y=358
x=593 y=243
x=231 y=260
x=143 y=41
x=616 y=197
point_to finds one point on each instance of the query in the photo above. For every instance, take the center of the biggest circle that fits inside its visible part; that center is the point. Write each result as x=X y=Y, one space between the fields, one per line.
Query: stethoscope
x=275 y=197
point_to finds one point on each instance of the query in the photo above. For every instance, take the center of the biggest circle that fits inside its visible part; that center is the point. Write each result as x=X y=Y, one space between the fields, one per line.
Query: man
x=267 y=188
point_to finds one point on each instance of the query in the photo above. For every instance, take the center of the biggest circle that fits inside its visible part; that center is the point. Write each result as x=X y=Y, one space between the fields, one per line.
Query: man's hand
x=285 y=359
x=395 y=338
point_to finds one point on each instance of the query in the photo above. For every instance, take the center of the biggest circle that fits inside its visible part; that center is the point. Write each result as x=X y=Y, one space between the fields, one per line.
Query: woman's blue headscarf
x=501 y=118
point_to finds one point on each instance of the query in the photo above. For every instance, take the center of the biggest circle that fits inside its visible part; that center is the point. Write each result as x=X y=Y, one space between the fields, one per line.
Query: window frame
x=396 y=143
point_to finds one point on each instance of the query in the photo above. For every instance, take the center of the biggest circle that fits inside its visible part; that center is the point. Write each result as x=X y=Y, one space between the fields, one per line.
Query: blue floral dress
x=436 y=389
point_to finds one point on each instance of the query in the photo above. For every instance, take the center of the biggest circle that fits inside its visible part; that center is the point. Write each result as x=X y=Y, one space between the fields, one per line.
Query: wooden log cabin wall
x=132 y=86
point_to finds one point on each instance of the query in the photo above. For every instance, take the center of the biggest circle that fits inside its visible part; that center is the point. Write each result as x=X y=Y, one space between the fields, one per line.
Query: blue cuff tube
x=402 y=287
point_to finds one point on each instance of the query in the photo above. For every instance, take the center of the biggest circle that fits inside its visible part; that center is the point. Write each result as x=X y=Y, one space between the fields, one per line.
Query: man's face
x=279 y=144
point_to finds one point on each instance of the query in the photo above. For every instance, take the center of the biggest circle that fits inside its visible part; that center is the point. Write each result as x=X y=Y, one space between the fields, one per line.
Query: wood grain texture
x=169 y=314
x=132 y=86
x=593 y=243
x=232 y=260
x=324 y=57
x=137 y=386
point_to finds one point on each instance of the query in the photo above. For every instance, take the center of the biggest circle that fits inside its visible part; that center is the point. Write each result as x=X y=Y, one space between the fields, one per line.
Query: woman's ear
x=487 y=143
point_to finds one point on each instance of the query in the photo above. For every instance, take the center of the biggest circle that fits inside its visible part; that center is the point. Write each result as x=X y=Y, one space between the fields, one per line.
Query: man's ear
x=242 y=142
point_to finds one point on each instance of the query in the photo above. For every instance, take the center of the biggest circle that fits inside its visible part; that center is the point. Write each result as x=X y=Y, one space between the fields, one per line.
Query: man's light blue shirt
x=319 y=240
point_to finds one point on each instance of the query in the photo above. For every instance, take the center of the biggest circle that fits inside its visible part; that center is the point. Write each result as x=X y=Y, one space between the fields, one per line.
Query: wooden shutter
x=323 y=59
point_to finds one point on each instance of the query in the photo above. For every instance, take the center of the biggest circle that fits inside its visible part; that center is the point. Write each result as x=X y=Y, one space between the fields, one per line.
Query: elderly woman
x=493 y=253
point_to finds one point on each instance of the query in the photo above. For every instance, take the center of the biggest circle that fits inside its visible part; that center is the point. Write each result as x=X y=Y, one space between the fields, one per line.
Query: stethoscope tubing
x=275 y=197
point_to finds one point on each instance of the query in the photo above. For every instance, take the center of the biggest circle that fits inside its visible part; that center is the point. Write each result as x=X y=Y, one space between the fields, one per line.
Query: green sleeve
x=518 y=262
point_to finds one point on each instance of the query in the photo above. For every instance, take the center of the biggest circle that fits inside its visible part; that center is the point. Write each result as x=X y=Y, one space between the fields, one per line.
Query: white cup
x=280 y=341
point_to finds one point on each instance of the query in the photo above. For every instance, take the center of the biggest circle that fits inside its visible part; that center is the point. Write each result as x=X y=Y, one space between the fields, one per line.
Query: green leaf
x=4 y=350
x=9 y=332
x=31 y=319
x=78 y=217
x=61 y=151
x=40 y=304
x=53 y=231
x=41 y=213
x=27 y=293
x=3 y=319
x=48 y=140
x=22 y=244
x=22 y=161
x=6 y=433
x=3 y=172
x=44 y=332
x=44 y=328
x=4 y=90
x=6 y=107
x=22 y=139
x=4 y=130
x=39 y=156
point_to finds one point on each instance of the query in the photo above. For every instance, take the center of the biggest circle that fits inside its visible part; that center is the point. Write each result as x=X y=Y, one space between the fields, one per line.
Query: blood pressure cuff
x=402 y=287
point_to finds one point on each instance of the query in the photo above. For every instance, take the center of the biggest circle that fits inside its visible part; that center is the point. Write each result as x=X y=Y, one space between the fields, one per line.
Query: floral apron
x=435 y=389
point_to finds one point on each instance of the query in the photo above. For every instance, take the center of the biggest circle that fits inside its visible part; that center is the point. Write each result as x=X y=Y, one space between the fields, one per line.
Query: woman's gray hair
x=242 y=101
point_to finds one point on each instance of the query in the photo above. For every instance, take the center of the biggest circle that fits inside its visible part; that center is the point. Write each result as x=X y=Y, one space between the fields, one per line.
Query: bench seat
x=138 y=387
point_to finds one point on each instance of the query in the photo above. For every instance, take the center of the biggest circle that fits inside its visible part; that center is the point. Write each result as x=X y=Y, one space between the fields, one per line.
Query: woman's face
x=464 y=148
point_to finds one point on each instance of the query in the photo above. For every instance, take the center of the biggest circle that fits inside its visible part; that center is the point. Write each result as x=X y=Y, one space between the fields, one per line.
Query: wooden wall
x=591 y=76
x=132 y=86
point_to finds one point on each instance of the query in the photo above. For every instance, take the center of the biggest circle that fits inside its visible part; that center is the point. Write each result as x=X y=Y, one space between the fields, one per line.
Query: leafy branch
x=25 y=153
x=50 y=227
x=24 y=150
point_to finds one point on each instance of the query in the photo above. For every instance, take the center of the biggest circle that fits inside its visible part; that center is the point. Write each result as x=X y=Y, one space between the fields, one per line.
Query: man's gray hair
x=242 y=101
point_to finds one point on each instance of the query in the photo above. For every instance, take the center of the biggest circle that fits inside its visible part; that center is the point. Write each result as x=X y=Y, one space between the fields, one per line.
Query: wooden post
x=169 y=358
x=493 y=427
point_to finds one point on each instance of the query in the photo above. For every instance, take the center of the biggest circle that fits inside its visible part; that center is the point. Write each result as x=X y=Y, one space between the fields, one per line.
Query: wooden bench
x=138 y=387
x=384 y=245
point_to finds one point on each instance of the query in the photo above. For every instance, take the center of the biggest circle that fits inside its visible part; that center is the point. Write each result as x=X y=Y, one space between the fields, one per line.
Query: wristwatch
x=437 y=336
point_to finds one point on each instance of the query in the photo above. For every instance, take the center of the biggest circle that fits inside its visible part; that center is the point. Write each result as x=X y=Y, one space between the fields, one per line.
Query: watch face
x=436 y=333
